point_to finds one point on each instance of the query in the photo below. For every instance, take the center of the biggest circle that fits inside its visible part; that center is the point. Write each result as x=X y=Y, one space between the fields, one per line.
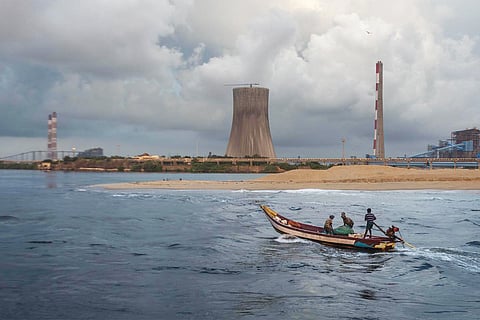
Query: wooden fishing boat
x=284 y=225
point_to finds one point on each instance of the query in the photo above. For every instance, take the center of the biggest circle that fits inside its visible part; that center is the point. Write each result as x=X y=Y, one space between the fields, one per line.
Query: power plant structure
x=378 y=138
x=250 y=133
x=470 y=138
x=52 y=136
x=462 y=144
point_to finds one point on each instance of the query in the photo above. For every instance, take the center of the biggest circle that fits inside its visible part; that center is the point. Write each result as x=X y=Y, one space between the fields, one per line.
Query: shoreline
x=369 y=178
x=252 y=186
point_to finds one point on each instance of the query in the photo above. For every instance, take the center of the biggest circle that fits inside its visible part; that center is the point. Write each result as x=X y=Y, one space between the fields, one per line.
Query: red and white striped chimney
x=378 y=141
x=49 y=143
x=52 y=136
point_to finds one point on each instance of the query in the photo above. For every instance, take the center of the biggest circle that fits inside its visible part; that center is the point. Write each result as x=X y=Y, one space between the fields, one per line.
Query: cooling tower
x=378 y=141
x=250 y=134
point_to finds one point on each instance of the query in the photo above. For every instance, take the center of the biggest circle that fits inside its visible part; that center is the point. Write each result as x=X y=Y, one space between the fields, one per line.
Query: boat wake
x=286 y=238
x=466 y=260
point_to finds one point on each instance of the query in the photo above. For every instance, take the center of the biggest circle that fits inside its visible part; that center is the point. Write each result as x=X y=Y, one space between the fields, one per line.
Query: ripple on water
x=470 y=221
x=218 y=271
x=473 y=243
x=8 y=218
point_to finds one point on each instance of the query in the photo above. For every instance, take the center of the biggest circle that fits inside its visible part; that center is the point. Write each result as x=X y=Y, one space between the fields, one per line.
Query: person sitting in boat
x=369 y=217
x=346 y=220
x=328 y=226
x=391 y=232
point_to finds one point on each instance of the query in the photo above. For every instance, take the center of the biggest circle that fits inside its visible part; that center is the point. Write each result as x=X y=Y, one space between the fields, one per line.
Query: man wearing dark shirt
x=369 y=217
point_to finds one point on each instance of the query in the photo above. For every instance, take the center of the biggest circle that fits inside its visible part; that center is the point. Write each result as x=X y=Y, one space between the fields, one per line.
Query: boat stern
x=385 y=246
x=377 y=246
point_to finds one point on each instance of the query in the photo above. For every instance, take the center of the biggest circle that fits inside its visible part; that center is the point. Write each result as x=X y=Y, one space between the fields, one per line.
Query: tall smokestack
x=250 y=133
x=54 y=136
x=378 y=141
x=49 y=142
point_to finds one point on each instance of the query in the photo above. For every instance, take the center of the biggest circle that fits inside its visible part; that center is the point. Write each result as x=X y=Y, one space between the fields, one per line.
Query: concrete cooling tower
x=250 y=134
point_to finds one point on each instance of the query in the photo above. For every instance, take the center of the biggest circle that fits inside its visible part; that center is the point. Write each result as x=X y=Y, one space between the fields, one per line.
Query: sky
x=149 y=75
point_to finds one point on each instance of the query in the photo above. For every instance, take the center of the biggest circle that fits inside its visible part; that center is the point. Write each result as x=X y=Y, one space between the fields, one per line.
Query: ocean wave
x=263 y=191
x=466 y=260
x=317 y=191
x=240 y=191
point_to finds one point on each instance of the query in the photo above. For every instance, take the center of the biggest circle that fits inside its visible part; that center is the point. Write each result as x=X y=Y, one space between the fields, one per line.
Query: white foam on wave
x=311 y=191
x=132 y=195
x=323 y=192
x=119 y=195
x=241 y=191
x=285 y=238
x=295 y=191
x=264 y=191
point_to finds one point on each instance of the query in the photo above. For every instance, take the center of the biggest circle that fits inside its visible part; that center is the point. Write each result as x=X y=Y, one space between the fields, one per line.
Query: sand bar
x=360 y=177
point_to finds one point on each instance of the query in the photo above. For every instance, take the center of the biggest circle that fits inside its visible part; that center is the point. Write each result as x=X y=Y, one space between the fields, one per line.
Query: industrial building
x=91 y=153
x=250 y=132
x=465 y=144
x=462 y=144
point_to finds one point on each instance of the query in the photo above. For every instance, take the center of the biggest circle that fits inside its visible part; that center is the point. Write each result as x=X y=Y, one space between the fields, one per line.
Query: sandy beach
x=336 y=178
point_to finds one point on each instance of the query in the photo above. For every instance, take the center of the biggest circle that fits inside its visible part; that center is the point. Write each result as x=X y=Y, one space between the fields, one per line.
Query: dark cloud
x=23 y=88
x=150 y=76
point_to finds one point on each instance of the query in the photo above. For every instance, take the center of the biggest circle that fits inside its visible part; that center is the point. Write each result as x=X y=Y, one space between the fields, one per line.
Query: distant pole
x=343 y=149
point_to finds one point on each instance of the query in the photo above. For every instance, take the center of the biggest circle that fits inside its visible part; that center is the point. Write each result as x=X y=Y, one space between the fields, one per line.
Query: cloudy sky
x=148 y=75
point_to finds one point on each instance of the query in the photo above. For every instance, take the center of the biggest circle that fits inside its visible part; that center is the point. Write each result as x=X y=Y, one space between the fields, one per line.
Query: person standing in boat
x=369 y=217
x=328 y=226
x=346 y=220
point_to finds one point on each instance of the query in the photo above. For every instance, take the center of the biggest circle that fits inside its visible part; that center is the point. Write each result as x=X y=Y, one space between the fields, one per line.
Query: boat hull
x=284 y=225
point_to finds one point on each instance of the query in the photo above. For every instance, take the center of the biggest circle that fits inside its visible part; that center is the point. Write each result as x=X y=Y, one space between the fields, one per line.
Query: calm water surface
x=70 y=250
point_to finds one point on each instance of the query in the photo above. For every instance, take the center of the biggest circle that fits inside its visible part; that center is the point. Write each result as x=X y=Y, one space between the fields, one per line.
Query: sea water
x=71 y=250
